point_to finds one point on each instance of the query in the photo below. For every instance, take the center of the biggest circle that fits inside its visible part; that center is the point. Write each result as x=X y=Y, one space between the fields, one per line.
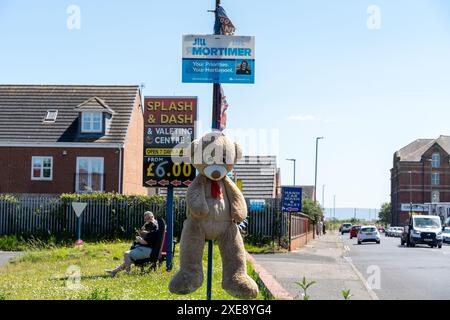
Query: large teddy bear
x=214 y=208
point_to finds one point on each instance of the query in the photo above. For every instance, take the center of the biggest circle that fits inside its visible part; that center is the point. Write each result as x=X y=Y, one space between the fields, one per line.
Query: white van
x=423 y=230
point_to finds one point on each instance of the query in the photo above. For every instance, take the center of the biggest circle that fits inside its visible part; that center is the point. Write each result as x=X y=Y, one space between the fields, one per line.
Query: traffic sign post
x=78 y=208
x=169 y=221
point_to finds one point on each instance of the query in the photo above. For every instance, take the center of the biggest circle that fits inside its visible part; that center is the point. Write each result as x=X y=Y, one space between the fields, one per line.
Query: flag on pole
x=223 y=110
x=223 y=24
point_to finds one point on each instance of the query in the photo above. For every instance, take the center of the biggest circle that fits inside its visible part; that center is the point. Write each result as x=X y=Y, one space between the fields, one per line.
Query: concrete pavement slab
x=321 y=261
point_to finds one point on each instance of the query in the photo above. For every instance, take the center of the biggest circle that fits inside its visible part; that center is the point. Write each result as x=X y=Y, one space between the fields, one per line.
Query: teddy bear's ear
x=238 y=152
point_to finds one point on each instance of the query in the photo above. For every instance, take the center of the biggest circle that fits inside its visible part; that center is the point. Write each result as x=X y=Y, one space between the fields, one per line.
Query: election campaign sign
x=218 y=59
x=169 y=128
x=291 y=199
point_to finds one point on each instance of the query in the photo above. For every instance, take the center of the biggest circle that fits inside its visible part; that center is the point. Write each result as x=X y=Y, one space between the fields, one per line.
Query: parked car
x=345 y=228
x=423 y=229
x=354 y=231
x=397 y=232
x=381 y=229
x=389 y=232
x=368 y=234
x=446 y=235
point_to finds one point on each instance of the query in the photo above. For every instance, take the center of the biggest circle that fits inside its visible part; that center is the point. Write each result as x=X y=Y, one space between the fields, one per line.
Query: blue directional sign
x=291 y=199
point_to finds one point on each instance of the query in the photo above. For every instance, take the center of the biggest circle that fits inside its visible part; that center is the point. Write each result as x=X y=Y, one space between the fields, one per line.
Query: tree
x=313 y=210
x=384 y=215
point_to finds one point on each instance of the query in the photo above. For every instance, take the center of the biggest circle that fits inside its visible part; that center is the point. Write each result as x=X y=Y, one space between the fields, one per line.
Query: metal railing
x=118 y=218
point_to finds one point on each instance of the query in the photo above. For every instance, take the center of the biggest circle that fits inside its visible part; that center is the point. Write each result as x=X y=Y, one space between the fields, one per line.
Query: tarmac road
x=404 y=273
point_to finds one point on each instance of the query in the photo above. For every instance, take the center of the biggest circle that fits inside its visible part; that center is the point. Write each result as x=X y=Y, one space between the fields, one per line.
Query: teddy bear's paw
x=184 y=282
x=242 y=287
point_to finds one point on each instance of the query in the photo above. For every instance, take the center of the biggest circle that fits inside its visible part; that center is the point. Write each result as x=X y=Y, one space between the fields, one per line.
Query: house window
x=435 y=196
x=435 y=178
x=42 y=168
x=89 y=176
x=436 y=160
x=51 y=116
x=91 y=122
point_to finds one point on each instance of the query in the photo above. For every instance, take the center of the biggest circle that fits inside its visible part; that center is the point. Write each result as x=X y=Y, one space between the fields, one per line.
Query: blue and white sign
x=218 y=59
x=257 y=204
x=291 y=199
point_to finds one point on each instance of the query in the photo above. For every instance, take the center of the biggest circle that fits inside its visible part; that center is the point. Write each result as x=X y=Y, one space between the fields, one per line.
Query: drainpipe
x=120 y=171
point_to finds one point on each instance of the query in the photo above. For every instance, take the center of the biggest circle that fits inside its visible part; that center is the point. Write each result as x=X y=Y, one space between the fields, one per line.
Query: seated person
x=142 y=246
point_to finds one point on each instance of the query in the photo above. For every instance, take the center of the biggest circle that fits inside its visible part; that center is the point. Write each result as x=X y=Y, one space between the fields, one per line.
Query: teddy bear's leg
x=234 y=277
x=190 y=276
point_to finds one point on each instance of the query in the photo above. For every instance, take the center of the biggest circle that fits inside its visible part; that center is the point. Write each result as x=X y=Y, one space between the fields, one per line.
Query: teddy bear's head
x=214 y=155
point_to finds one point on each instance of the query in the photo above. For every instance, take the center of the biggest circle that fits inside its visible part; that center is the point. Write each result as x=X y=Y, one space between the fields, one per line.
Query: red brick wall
x=15 y=169
x=301 y=241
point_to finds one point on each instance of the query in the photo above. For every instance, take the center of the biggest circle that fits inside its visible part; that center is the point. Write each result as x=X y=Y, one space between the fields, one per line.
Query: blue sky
x=320 y=71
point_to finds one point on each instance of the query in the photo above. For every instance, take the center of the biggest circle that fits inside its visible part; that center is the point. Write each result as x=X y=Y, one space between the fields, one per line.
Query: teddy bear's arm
x=195 y=198
x=237 y=201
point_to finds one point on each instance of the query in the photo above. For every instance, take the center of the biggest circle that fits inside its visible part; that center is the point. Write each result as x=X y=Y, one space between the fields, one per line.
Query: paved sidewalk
x=5 y=256
x=322 y=261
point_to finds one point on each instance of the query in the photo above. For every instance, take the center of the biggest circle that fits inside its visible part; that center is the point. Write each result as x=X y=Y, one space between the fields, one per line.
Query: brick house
x=420 y=175
x=70 y=138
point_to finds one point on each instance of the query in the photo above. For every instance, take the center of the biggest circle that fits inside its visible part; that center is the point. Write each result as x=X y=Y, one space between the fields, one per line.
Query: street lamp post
x=293 y=160
x=315 y=177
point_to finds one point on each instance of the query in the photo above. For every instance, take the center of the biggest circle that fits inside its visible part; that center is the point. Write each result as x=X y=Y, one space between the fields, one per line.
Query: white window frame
x=41 y=177
x=48 y=118
x=77 y=182
x=435 y=178
x=436 y=160
x=91 y=121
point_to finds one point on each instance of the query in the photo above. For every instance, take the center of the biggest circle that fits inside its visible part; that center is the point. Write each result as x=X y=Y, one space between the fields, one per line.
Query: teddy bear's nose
x=215 y=175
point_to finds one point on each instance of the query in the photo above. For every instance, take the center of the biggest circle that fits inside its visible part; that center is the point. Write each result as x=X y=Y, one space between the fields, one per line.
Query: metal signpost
x=78 y=208
x=218 y=58
x=169 y=129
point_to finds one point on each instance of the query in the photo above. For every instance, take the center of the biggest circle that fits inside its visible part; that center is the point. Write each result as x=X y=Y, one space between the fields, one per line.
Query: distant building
x=420 y=175
x=260 y=176
x=71 y=138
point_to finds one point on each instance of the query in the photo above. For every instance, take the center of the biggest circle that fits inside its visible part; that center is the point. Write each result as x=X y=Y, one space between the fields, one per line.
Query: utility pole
x=334 y=206
x=323 y=196
x=315 y=177
x=217 y=101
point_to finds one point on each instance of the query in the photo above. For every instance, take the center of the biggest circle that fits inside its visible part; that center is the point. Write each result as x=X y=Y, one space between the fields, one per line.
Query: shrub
x=11 y=243
x=99 y=294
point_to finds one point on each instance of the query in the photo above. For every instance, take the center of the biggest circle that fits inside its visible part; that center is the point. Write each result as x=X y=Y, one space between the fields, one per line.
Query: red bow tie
x=215 y=190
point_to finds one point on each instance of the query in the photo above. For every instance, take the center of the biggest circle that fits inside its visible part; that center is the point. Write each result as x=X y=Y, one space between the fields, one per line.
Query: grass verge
x=50 y=274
